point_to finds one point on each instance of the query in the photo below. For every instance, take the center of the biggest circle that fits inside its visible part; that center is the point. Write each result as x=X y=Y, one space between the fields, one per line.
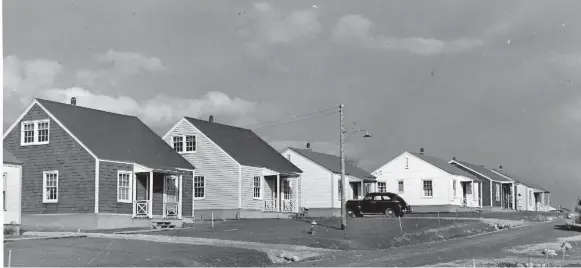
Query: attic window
x=407 y=163
x=35 y=132
x=184 y=143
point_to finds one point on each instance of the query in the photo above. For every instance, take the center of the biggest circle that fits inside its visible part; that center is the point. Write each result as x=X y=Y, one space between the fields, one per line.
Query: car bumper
x=408 y=209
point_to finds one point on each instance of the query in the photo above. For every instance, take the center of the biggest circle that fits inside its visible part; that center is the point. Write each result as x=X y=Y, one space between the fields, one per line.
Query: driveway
x=484 y=246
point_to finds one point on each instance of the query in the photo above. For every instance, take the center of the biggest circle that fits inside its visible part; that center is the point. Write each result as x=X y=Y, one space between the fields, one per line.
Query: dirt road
x=485 y=246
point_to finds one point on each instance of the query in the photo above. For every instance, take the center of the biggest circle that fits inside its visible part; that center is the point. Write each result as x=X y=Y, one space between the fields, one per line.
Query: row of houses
x=77 y=167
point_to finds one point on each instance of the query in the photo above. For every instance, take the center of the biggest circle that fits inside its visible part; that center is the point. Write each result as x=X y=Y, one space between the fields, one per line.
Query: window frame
x=44 y=186
x=184 y=143
x=402 y=187
x=129 y=186
x=5 y=183
x=259 y=197
x=431 y=188
x=379 y=187
x=35 y=134
x=497 y=194
x=203 y=187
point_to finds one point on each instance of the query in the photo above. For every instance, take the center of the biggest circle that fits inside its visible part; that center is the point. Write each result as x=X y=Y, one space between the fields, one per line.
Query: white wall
x=316 y=182
x=416 y=171
x=13 y=193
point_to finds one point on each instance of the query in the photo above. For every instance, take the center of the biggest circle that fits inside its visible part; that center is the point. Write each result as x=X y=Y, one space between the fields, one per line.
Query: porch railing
x=470 y=202
x=141 y=208
x=171 y=209
x=270 y=205
x=289 y=206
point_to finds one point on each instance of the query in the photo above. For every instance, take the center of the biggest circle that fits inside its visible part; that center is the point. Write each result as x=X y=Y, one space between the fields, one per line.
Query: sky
x=489 y=82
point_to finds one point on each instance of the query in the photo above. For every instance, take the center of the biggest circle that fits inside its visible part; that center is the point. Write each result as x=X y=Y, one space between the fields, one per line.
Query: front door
x=355 y=187
x=170 y=197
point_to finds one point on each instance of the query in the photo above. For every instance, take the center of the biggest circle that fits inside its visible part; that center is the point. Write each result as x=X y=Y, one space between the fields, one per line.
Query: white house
x=429 y=184
x=321 y=180
x=11 y=190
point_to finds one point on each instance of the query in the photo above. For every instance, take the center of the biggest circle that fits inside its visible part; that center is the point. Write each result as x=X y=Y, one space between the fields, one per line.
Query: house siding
x=486 y=201
x=75 y=165
x=248 y=200
x=187 y=194
x=108 y=188
x=221 y=173
x=317 y=187
x=413 y=177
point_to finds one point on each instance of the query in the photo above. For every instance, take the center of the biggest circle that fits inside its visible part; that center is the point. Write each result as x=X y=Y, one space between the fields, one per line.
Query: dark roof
x=333 y=163
x=520 y=180
x=116 y=137
x=245 y=146
x=484 y=171
x=444 y=165
x=11 y=159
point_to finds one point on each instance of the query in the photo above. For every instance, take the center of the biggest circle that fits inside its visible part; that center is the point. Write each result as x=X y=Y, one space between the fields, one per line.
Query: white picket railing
x=141 y=208
x=171 y=209
x=270 y=205
x=289 y=205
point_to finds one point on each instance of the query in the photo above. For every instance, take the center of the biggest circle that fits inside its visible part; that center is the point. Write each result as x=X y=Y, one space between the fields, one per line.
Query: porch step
x=165 y=224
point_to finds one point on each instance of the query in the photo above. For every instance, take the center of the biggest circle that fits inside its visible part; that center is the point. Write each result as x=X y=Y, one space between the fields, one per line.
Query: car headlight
x=570 y=216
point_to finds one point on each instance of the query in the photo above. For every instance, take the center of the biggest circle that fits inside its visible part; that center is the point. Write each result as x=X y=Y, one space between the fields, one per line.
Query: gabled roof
x=245 y=146
x=333 y=163
x=445 y=166
x=483 y=171
x=10 y=159
x=519 y=180
x=116 y=137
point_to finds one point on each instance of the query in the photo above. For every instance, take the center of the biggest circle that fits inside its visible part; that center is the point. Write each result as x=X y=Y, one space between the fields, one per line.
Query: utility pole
x=343 y=181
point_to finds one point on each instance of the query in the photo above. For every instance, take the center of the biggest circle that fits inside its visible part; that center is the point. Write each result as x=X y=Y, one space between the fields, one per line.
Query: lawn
x=362 y=233
x=97 y=252
x=514 y=215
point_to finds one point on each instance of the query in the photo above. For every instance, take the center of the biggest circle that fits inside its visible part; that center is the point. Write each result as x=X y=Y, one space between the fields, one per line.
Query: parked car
x=386 y=203
x=574 y=218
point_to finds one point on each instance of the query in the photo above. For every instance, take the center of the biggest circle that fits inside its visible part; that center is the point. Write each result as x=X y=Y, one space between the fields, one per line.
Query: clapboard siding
x=248 y=200
x=108 y=188
x=187 y=194
x=75 y=165
x=220 y=171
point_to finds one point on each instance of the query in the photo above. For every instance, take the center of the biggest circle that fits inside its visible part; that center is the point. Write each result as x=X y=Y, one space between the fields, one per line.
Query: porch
x=471 y=193
x=359 y=188
x=281 y=194
x=508 y=199
x=157 y=194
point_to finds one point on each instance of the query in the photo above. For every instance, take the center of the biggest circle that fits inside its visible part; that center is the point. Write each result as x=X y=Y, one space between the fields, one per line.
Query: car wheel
x=351 y=214
x=389 y=213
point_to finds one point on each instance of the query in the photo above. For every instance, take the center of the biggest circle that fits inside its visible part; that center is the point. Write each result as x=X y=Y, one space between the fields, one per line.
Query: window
x=35 y=132
x=190 y=143
x=339 y=190
x=199 y=187
x=124 y=186
x=381 y=187
x=288 y=156
x=377 y=198
x=178 y=143
x=497 y=194
x=257 y=184
x=50 y=186
x=400 y=186
x=530 y=198
x=4 y=190
x=454 y=187
x=184 y=143
x=407 y=163
x=428 y=188
x=286 y=190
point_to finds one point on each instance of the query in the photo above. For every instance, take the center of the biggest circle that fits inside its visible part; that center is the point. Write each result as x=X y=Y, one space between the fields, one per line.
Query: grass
x=362 y=233
x=78 y=252
x=532 y=216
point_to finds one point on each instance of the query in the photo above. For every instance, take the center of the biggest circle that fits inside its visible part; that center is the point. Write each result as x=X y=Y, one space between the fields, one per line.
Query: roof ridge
x=84 y=107
x=213 y=122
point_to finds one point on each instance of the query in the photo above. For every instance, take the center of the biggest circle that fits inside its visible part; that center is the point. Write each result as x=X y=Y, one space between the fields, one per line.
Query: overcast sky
x=490 y=82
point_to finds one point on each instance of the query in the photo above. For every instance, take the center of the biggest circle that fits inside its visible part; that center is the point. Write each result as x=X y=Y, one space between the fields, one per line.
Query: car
x=386 y=203
x=574 y=218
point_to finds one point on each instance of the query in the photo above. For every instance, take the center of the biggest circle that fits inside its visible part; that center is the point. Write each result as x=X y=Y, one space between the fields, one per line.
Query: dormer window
x=184 y=143
x=35 y=132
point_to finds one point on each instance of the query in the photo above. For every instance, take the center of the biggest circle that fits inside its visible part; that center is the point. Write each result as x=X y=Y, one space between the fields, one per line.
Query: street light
x=342 y=152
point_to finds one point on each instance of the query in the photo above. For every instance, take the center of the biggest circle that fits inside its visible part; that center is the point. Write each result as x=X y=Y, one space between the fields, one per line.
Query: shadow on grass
x=564 y=227
x=322 y=224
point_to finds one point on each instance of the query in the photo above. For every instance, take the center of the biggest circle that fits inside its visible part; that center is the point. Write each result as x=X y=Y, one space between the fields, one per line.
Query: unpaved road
x=484 y=246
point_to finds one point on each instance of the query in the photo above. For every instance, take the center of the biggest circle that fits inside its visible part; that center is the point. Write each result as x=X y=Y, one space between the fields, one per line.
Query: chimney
x=421 y=150
x=500 y=168
x=308 y=146
x=74 y=101
x=211 y=119
x=454 y=158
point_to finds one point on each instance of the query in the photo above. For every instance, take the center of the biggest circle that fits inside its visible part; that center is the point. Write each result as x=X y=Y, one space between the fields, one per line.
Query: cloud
x=122 y=64
x=159 y=109
x=567 y=60
x=24 y=78
x=356 y=30
x=272 y=26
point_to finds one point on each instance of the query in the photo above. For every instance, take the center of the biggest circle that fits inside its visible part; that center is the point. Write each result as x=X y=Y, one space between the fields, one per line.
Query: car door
x=366 y=204
x=388 y=202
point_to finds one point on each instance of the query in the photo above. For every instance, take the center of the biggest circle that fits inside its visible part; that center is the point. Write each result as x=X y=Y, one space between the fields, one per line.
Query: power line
x=291 y=118
x=296 y=121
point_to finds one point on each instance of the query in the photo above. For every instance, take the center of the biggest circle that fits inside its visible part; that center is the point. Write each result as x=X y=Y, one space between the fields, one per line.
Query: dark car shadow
x=565 y=227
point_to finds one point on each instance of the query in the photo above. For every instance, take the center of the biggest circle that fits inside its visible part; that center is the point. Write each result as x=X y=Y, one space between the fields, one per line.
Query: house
x=430 y=184
x=498 y=192
x=91 y=169
x=238 y=174
x=321 y=180
x=12 y=181
x=530 y=196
